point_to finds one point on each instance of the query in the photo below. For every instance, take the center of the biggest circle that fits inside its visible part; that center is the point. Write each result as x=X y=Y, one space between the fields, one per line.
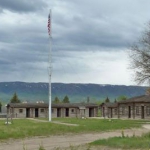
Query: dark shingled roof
x=45 y=105
x=137 y=99
x=28 y=105
x=109 y=104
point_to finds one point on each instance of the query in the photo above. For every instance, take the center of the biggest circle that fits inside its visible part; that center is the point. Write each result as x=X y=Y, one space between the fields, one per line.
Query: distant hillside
x=75 y=92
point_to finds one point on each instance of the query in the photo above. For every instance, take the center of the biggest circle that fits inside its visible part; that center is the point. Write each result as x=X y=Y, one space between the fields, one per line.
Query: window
x=137 y=110
x=42 y=110
x=20 y=110
x=148 y=110
x=72 y=110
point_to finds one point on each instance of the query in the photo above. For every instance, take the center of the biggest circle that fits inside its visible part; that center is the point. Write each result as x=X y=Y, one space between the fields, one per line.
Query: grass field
x=142 y=142
x=22 y=128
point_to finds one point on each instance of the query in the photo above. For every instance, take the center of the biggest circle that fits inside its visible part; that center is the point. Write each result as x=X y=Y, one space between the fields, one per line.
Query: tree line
x=57 y=100
x=15 y=99
x=120 y=98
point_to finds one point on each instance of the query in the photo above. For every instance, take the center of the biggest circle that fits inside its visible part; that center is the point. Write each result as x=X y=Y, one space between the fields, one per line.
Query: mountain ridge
x=77 y=92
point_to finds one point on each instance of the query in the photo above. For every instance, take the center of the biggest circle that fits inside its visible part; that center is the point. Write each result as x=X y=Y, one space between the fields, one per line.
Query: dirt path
x=54 y=142
x=56 y=122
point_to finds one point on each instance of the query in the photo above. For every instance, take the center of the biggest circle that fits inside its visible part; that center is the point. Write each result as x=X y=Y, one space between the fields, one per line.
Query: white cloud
x=103 y=67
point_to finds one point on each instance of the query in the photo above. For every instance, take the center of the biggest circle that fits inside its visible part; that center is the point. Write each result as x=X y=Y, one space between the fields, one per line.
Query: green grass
x=22 y=128
x=133 y=142
x=102 y=124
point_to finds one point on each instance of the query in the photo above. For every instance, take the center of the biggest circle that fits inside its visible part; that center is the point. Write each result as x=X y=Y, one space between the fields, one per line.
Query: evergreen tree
x=107 y=100
x=15 y=98
x=56 y=100
x=115 y=101
x=66 y=99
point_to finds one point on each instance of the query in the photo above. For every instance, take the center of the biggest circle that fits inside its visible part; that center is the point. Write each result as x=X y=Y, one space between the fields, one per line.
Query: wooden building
x=32 y=110
x=136 y=108
x=109 y=110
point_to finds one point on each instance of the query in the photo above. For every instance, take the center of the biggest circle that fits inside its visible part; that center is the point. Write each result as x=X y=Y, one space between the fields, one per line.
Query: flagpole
x=50 y=63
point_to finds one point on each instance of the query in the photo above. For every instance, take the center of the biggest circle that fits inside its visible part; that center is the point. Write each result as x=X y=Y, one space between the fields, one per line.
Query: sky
x=90 y=40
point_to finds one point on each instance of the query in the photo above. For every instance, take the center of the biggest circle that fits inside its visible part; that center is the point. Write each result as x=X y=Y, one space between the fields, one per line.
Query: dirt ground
x=66 y=142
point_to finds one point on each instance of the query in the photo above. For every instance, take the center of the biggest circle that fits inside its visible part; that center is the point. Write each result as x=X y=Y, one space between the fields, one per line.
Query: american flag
x=49 y=24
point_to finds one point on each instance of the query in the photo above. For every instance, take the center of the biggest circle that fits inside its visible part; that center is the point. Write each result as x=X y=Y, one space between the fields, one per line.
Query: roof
x=137 y=99
x=45 y=105
x=110 y=104
x=77 y=105
x=27 y=105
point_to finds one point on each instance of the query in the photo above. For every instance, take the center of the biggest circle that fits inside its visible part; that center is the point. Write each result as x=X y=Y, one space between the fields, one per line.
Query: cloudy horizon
x=90 y=40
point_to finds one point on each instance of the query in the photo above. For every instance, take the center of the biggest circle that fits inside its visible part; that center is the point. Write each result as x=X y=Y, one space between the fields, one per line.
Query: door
x=58 y=112
x=111 y=113
x=129 y=112
x=36 y=112
x=91 y=112
x=142 y=112
x=27 y=112
x=103 y=111
x=67 y=112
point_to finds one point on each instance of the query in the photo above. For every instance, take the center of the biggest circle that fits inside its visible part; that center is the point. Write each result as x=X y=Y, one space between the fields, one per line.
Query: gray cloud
x=23 y=6
x=80 y=29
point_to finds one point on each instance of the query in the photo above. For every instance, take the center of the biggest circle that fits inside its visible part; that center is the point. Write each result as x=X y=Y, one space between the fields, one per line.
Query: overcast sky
x=90 y=39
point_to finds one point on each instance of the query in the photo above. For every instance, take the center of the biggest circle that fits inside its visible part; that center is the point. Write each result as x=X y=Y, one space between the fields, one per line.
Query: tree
x=107 y=100
x=122 y=97
x=140 y=57
x=66 y=99
x=15 y=98
x=115 y=101
x=56 y=100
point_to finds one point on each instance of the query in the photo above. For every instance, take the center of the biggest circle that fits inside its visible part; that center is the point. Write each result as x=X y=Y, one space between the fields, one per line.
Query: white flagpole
x=50 y=64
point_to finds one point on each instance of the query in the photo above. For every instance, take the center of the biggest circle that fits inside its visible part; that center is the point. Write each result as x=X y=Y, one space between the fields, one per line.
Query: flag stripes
x=49 y=24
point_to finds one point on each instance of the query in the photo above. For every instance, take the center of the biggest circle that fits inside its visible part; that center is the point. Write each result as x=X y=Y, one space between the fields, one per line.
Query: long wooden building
x=32 y=110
